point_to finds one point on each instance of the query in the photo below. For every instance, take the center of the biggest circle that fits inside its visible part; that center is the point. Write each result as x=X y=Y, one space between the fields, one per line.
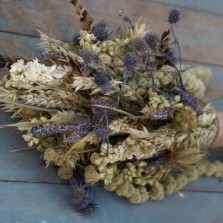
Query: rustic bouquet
x=114 y=105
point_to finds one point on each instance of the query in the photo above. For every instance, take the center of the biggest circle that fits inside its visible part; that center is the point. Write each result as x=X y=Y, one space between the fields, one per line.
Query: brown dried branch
x=85 y=19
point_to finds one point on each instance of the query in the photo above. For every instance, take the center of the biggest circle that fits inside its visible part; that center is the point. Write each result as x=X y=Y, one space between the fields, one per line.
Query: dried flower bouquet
x=114 y=105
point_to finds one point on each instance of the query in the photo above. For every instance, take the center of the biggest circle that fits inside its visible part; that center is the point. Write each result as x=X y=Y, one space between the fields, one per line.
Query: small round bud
x=174 y=16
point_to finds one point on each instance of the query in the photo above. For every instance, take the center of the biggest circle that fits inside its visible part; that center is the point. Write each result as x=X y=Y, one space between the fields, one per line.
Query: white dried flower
x=34 y=71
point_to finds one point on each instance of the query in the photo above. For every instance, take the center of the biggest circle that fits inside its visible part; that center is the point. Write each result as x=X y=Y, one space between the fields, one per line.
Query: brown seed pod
x=85 y=19
x=185 y=119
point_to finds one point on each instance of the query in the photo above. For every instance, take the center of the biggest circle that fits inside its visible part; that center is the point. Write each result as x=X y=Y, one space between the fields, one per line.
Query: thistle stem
x=149 y=69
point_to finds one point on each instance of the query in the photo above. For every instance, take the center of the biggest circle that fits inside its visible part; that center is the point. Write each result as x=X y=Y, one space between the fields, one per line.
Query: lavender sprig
x=157 y=159
x=188 y=99
x=53 y=129
x=80 y=130
x=164 y=114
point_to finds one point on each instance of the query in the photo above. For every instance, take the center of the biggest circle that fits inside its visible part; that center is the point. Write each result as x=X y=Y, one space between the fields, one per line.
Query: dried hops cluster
x=115 y=106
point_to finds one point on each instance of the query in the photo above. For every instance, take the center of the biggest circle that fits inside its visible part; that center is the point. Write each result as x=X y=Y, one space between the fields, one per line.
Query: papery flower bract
x=34 y=71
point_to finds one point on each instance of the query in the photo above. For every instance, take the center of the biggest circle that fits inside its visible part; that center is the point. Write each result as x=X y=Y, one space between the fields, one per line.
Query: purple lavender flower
x=80 y=131
x=126 y=19
x=187 y=99
x=164 y=114
x=157 y=159
x=53 y=129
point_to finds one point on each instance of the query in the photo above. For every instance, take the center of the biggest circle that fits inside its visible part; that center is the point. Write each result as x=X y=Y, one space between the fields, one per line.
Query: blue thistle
x=100 y=31
x=89 y=209
x=151 y=40
x=102 y=80
x=130 y=61
x=80 y=199
x=88 y=56
x=174 y=16
x=76 y=39
x=141 y=45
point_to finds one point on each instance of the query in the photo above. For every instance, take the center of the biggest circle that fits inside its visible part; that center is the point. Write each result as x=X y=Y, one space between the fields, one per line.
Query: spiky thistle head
x=76 y=39
x=130 y=61
x=174 y=16
x=102 y=79
x=100 y=31
x=88 y=56
x=140 y=45
x=151 y=40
